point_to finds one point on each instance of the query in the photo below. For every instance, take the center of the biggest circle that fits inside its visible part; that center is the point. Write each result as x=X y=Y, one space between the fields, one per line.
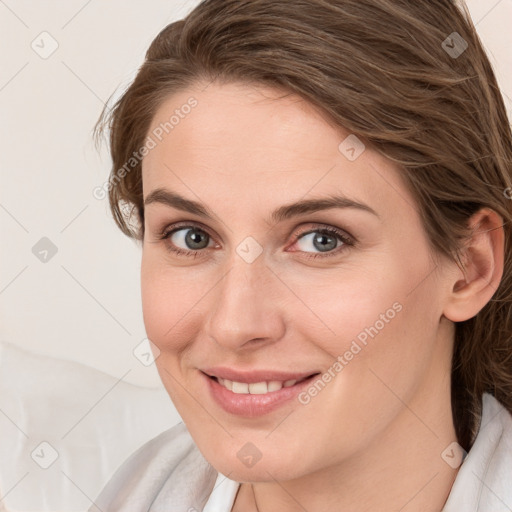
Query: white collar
x=484 y=480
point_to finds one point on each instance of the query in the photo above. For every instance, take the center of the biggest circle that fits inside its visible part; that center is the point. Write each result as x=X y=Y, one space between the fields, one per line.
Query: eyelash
x=347 y=241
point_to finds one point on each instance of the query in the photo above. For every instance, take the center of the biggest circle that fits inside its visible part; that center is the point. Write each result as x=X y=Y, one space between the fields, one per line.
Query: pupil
x=193 y=239
x=323 y=245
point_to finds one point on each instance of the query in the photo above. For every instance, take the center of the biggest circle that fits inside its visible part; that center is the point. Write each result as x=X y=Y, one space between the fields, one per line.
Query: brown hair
x=390 y=71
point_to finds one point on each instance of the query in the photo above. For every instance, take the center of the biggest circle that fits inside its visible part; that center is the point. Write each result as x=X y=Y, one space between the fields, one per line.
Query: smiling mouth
x=258 y=388
x=258 y=397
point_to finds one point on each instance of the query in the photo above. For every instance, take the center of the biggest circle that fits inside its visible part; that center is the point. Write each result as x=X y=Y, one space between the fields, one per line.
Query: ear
x=482 y=258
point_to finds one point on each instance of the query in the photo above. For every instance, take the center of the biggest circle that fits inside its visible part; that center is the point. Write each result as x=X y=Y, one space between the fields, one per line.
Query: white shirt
x=170 y=471
x=223 y=495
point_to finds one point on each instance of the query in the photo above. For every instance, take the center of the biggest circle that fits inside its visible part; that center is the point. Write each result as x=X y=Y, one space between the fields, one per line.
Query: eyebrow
x=174 y=200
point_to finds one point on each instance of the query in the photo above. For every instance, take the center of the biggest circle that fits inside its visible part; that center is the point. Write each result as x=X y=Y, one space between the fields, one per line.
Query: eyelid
x=172 y=228
x=347 y=239
x=343 y=234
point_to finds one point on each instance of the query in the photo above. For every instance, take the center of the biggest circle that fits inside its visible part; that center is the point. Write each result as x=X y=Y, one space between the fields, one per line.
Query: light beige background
x=84 y=303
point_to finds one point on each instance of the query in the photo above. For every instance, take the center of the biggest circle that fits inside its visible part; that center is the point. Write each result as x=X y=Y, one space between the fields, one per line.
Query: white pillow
x=78 y=421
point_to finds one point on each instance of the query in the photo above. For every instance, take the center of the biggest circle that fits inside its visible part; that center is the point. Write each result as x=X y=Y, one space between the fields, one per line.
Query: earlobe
x=483 y=259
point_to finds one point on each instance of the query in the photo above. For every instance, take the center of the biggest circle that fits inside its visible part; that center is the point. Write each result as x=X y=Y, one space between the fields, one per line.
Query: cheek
x=355 y=301
x=387 y=358
x=170 y=299
x=380 y=317
x=157 y=313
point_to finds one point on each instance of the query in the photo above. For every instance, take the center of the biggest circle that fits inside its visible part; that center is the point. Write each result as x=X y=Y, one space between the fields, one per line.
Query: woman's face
x=261 y=287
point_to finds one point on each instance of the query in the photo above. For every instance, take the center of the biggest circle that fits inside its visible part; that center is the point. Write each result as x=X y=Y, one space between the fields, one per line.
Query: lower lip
x=250 y=406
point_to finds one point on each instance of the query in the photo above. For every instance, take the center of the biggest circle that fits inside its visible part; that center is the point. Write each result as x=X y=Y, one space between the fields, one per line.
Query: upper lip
x=252 y=376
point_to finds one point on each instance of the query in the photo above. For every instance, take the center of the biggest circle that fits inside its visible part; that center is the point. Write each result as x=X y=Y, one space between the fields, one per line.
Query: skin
x=372 y=438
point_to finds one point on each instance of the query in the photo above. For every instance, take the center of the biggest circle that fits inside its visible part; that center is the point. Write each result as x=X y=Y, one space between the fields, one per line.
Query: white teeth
x=258 y=388
x=255 y=388
x=274 y=385
x=240 y=387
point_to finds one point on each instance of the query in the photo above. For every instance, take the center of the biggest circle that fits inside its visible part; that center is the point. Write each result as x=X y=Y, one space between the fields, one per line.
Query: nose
x=246 y=306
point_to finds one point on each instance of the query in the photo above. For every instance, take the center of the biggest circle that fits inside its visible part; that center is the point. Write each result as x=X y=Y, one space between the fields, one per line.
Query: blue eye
x=192 y=237
x=195 y=239
x=325 y=240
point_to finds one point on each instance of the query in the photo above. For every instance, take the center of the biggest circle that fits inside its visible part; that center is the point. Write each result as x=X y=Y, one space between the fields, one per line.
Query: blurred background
x=78 y=390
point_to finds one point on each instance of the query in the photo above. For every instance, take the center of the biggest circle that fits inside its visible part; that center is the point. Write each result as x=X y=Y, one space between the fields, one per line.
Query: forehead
x=261 y=144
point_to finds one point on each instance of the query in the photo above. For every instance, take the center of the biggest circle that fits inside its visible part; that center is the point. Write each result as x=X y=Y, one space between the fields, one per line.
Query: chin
x=262 y=471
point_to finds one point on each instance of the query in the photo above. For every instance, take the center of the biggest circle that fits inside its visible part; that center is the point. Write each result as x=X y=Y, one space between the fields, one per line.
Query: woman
x=320 y=189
